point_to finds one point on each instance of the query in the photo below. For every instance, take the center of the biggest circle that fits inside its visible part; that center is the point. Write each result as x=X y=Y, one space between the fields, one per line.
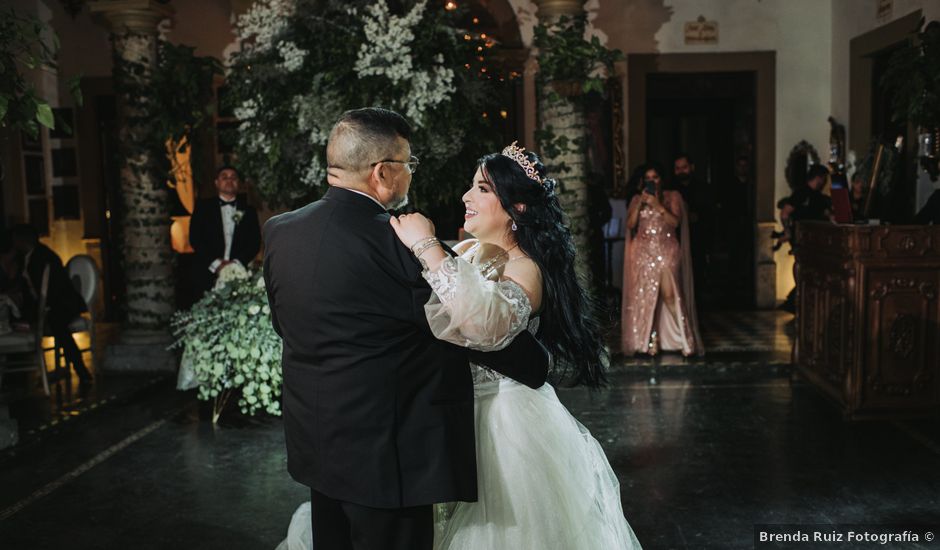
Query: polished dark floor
x=703 y=449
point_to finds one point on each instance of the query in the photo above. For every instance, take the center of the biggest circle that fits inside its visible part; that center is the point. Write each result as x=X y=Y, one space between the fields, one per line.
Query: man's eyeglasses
x=411 y=164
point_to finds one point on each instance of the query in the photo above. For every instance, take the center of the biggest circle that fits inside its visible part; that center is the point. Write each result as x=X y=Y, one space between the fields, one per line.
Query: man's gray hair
x=364 y=136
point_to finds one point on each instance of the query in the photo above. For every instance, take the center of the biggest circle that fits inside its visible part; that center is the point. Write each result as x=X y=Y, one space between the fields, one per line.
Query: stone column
x=144 y=219
x=564 y=115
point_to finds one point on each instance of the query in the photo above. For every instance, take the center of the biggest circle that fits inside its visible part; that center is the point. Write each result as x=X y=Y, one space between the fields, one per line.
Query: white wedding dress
x=544 y=482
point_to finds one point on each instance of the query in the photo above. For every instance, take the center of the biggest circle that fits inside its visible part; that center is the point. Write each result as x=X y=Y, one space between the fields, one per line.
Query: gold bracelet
x=422 y=242
x=425 y=245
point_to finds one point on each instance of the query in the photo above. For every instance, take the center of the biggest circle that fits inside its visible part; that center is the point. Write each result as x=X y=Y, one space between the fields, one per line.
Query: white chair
x=27 y=343
x=83 y=273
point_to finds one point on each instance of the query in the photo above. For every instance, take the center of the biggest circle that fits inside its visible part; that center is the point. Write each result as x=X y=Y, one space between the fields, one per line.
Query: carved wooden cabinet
x=867 y=316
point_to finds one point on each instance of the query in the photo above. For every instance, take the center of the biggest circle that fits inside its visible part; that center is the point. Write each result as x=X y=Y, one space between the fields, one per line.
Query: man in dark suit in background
x=699 y=204
x=222 y=230
x=63 y=300
x=378 y=414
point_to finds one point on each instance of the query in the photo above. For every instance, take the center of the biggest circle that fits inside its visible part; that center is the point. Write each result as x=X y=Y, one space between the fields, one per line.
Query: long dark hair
x=569 y=327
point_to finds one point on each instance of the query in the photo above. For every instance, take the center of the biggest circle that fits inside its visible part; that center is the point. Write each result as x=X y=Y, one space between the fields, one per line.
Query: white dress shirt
x=228 y=231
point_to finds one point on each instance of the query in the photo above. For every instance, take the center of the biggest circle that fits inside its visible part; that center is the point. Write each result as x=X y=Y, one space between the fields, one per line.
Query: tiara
x=517 y=154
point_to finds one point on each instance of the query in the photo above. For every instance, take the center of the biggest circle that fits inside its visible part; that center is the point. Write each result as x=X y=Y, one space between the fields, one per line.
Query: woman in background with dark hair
x=544 y=481
x=658 y=310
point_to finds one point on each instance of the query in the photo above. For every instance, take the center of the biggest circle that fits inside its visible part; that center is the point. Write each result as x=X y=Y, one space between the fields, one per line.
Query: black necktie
x=226 y=203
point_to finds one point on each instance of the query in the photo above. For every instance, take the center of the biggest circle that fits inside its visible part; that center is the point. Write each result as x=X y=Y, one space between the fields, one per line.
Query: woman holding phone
x=658 y=298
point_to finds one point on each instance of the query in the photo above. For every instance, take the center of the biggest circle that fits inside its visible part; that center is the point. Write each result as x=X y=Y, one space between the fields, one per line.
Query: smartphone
x=650 y=187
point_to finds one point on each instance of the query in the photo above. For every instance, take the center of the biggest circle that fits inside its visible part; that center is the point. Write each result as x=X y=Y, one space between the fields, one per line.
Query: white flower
x=315 y=173
x=387 y=48
x=265 y=19
x=253 y=310
x=386 y=52
x=429 y=88
x=293 y=57
x=247 y=110
x=237 y=216
x=231 y=272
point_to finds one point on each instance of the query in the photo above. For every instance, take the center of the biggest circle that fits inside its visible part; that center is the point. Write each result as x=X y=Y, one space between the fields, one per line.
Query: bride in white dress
x=544 y=482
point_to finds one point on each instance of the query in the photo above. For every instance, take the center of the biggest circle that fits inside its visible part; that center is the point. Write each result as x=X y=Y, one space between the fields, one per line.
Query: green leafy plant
x=229 y=343
x=181 y=88
x=27 y=44
x=565 y=55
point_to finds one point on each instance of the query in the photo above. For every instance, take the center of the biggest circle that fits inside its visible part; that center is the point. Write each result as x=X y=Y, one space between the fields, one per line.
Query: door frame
x=763 y=64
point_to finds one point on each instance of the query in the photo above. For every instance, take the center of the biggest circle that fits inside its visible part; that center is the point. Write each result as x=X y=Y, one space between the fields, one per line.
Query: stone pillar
x=561 y=112
x=148 y=258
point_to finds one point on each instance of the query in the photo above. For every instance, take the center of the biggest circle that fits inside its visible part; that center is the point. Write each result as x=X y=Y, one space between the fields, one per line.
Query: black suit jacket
x=377 y=411
x=208 y=240
x=63 y=300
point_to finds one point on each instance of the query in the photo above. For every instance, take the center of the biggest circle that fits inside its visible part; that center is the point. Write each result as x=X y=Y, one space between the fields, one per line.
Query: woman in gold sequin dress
x=658 y=299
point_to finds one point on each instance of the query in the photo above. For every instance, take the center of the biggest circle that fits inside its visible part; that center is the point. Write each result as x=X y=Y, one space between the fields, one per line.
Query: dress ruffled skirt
x=544 y=481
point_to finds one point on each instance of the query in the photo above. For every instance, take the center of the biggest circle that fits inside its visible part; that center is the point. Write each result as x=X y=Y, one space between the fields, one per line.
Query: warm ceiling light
x=476 y=21
x=467 y=37
x=483 y=36
x=450 y=6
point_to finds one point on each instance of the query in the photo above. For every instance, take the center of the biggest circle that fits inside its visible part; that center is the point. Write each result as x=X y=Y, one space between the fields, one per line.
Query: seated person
x=63 y=301
x=806 y=203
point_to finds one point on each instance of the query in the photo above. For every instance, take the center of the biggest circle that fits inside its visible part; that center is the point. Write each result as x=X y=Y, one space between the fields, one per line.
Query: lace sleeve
x=471 y=311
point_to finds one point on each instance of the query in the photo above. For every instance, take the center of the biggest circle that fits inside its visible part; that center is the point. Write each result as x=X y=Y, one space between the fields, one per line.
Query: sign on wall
x=885 y=8
x=701 y=31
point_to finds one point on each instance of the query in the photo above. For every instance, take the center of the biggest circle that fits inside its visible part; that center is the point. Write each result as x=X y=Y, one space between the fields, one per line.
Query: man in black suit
x=63 y=300
x=222 y=230
x=699 y=203
x=378 y=414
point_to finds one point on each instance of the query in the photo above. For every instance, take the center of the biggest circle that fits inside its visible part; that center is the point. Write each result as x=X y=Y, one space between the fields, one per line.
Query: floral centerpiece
x=229 y=344
x=302 y=63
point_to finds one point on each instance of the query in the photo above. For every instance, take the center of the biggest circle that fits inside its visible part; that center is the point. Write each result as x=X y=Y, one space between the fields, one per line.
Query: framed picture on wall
x=35 y=172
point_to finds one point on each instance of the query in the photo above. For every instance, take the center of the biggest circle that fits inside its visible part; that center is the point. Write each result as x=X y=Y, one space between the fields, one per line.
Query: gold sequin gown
x=654 y=249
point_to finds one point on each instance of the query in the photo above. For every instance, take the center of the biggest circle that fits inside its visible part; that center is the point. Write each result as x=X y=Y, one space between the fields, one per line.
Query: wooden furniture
x=84 y=274
x=867 y=316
